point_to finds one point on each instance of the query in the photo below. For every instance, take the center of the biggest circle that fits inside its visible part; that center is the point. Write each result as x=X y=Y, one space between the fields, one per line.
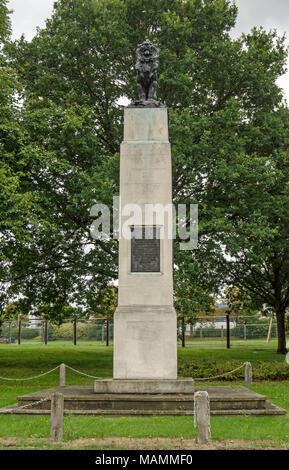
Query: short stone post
x=202 y=417
x=56 y=416
x=62 y=374
x=248 y=373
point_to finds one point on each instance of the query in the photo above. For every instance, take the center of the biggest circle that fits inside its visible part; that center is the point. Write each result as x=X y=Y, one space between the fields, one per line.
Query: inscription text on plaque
x=145 y=250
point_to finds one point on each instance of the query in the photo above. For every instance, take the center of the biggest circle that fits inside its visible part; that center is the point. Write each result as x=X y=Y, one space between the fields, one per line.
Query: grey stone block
x=135 y=386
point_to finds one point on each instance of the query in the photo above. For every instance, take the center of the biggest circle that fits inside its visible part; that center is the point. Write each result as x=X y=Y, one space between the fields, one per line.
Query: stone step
x=270 y=410
x=83 y=398
x=108 y=402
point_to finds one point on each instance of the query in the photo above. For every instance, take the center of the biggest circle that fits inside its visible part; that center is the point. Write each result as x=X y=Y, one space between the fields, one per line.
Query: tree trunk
x=280 y=316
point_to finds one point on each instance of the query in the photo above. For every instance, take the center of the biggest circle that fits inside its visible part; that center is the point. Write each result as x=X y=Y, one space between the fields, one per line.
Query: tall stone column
x=145 y=327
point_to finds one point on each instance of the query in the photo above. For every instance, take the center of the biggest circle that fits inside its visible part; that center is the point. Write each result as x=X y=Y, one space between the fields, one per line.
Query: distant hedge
x=85 y=331
x=26 y=333
x=252 y=331
x=262 y=370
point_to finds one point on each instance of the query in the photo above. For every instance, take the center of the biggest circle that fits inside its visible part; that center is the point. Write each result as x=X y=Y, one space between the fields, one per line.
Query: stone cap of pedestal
x=143 y=386
x=146 y=124
x=166 y=309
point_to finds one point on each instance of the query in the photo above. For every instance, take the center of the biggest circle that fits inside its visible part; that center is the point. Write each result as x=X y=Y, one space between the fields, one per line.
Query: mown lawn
x=28 y=360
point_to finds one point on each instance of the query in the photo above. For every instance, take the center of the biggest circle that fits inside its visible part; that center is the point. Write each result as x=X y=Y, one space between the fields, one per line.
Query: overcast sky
x=28 y=14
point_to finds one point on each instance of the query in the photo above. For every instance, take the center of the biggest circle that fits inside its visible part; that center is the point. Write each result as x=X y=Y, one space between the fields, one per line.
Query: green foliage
x=85 y=331
x=27 y=333
x=57 y=311
x=229 y=137
x=103 y=301
x=261 y=370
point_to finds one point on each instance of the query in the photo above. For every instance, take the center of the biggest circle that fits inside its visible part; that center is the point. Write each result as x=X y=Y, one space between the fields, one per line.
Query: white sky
x=28 y=14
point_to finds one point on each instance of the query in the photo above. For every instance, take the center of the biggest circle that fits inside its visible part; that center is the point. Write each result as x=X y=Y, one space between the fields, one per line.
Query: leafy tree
x=104 y=302
x=255 y=234
x=220 y=93
x=56 y=312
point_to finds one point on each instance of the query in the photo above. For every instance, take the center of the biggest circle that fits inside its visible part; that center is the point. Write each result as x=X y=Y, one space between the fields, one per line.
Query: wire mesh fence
x=40 y=331
x=225 y=331
x=212 y=331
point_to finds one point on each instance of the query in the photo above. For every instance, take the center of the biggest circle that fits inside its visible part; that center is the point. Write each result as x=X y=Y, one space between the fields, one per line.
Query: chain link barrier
x=31 y=378
x=82 y=373
x=95 y=377
x=221 y=375
x=49 y=372
x=23 y=407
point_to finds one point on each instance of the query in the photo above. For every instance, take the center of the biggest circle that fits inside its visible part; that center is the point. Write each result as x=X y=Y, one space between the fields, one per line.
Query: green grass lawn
x=28 y=360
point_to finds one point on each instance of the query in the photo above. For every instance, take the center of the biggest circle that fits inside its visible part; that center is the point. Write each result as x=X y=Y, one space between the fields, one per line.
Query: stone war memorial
x=145 y=326
x=145 y=381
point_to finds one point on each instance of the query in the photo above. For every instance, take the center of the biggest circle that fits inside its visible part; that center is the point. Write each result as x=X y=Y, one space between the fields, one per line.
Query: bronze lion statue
x=147 y=56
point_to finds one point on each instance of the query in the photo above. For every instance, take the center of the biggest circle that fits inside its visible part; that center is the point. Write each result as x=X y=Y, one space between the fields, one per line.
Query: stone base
x=224 y=401
x=167 y=386
x=145 y=342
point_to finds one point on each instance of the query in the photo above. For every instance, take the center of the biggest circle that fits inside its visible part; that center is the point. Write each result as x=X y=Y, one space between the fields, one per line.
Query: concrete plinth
x=224 y=401
x=145 y=342
x=145 y=325
x=169 y=386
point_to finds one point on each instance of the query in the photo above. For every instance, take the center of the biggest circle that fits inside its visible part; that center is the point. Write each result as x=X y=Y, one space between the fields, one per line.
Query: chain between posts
x=31 y=378
x=95 y=377
x=49 y=372
x=221 y=375
x=82 y=373
x=23 y=407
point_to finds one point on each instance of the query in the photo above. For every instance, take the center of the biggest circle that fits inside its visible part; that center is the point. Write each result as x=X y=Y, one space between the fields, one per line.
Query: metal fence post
x=202 y=417
x=228 y=330
x=19 y=331
x=107 y=332
x=45 y=332
x=10 y=333
x=56 y=416
x=245 y=332
x=74 y=332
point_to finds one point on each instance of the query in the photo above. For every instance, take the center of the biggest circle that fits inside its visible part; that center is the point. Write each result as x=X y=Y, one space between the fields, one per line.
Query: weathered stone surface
x=145 y=342
x=62 y=374
x=202 y=417
x=56 y=416
x=248 y=374
x=180 y=385
x=145 y=327
x=146 y=125
x=224 y=401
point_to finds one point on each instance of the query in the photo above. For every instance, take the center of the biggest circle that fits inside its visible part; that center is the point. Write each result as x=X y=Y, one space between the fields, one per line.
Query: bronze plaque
x=145 y=250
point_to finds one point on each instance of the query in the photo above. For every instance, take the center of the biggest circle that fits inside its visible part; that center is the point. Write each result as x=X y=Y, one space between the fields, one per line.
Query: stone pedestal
x=145 y=327
x=184 y=386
